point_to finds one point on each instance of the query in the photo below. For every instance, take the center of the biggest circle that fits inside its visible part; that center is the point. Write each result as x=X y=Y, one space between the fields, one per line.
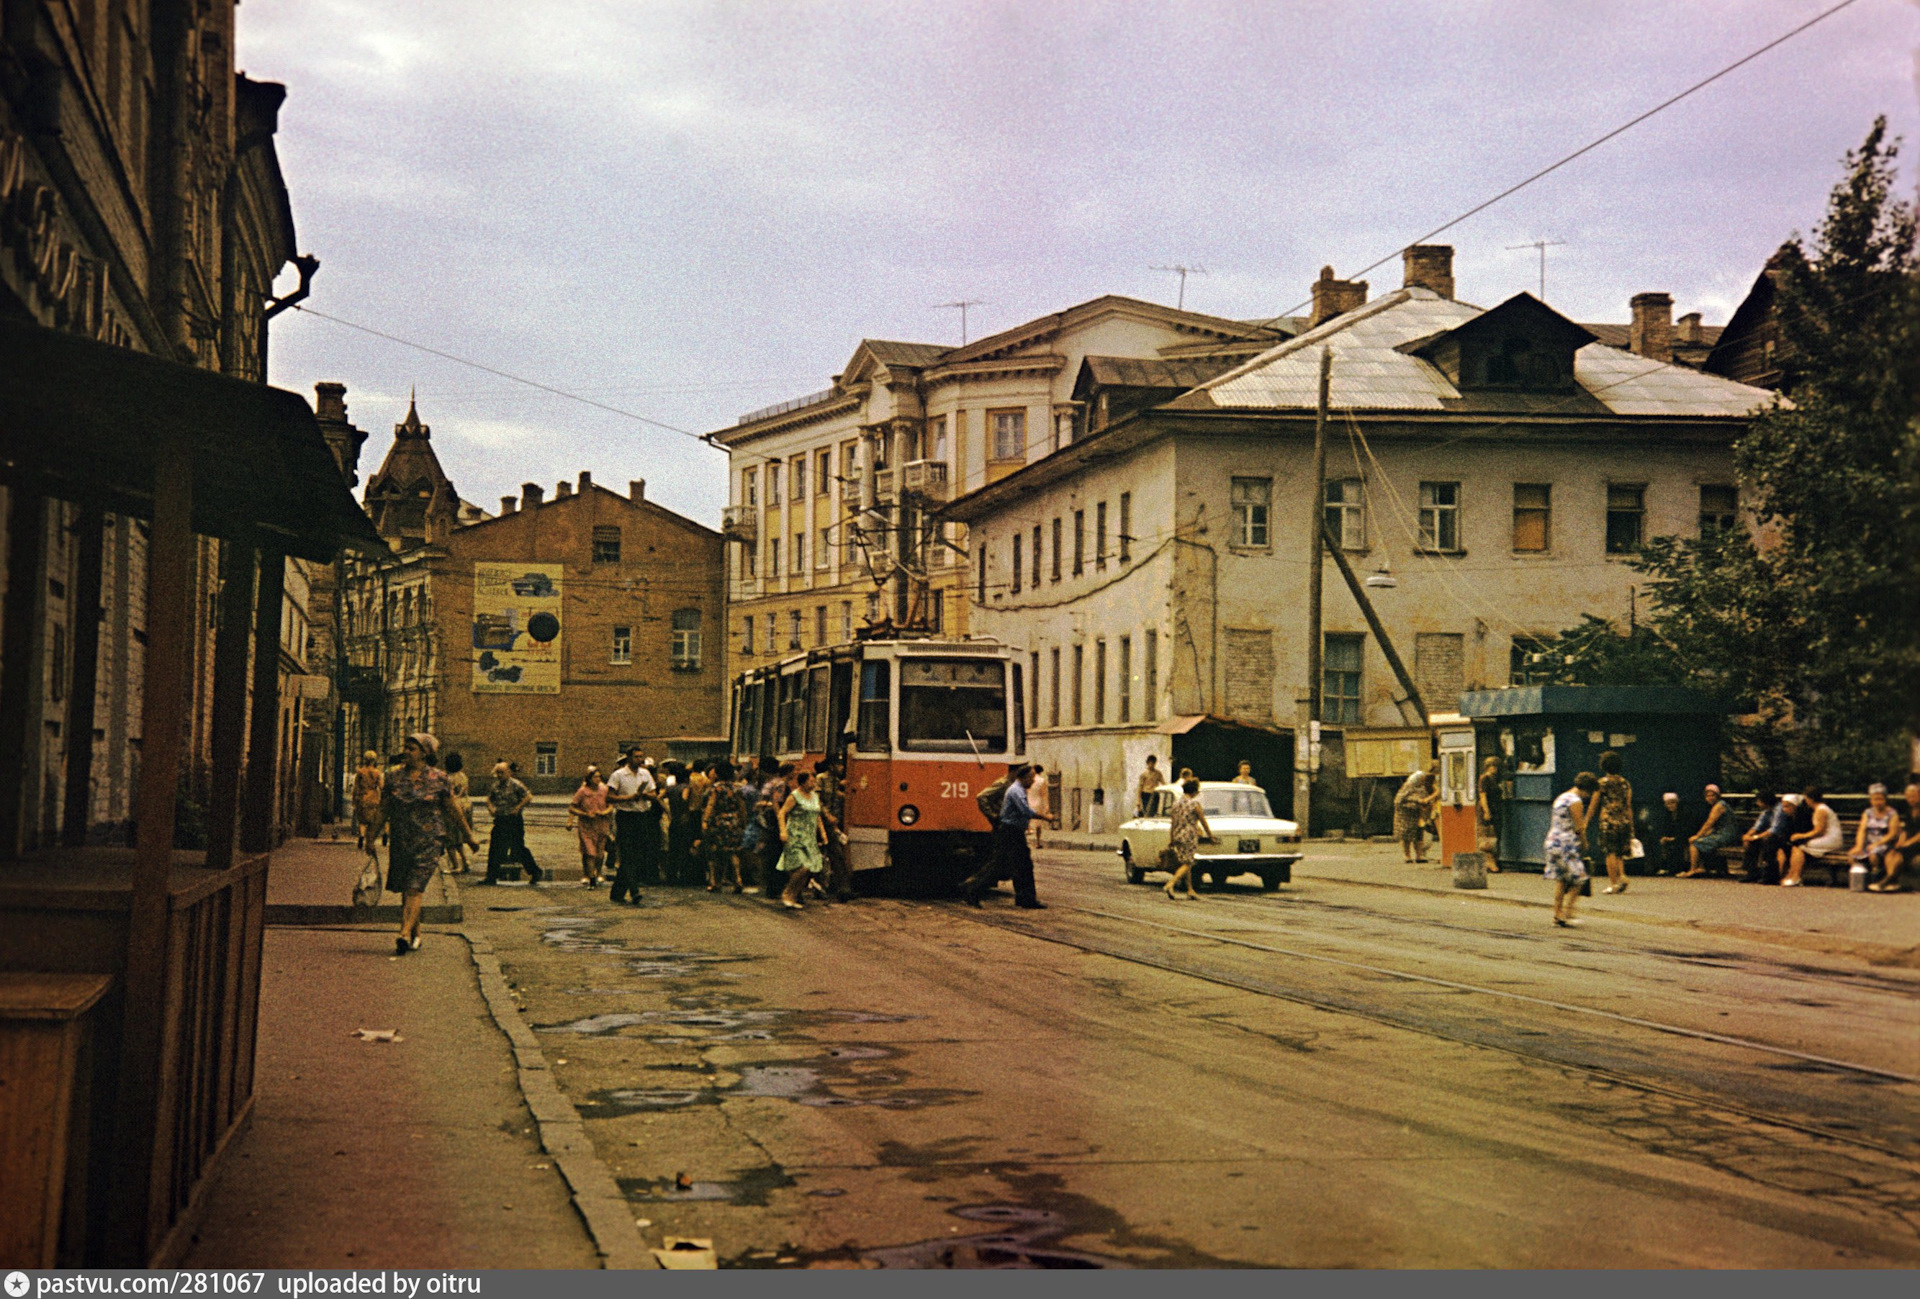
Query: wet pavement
x=1250 y=1081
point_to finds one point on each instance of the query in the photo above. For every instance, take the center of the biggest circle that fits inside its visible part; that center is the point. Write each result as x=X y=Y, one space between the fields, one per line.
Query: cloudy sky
x=689 y=210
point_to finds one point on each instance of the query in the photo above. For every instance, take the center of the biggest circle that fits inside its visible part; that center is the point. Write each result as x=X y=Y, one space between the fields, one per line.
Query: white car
x=1248 y=839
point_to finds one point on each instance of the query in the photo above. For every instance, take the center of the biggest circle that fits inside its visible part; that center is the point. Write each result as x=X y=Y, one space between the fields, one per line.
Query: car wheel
x=1269 y=883
x=1220 y=879
x=1135 y=875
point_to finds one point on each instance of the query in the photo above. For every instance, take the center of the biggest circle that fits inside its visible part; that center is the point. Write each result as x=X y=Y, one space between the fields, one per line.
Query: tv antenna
x=962 y=306
x=1182 y=272
x=1542 y=245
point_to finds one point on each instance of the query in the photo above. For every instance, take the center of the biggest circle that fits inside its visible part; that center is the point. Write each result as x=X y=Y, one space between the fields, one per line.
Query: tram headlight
x=909 y=814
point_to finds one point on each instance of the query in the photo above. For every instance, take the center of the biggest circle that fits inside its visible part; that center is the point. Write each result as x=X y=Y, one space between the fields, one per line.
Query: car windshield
x=953 y=705
x=1235 y=802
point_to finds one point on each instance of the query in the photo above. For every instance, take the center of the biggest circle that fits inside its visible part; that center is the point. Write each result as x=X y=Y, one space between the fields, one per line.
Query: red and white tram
x=924 y=725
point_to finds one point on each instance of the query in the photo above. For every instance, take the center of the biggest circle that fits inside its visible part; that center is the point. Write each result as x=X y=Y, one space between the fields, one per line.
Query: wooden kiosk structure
x=163 y=1080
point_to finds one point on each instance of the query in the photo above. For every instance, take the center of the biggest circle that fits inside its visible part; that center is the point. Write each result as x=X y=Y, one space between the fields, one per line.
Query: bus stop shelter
x=1668 y=738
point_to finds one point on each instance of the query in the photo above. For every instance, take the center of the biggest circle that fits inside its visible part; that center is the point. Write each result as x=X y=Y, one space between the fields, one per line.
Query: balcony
x=925 y=479
x=883 y=486
x=740 y=523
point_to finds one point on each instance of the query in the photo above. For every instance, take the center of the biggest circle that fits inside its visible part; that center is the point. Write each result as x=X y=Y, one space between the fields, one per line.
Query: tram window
x=875 y=709
x=1019 y=710
x=842 y=706
x=817 y=701
x=953 y=706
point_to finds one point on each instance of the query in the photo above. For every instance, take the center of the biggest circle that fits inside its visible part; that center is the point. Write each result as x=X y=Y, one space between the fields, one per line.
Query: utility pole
x=1182 y=272
x=1542 y=245
x=1309 y=721
x=962 y=305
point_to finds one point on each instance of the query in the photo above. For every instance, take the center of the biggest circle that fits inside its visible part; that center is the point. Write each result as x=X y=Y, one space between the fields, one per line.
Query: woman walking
x=1566 y=831
x=1410 y=810
x=418 y=812
x=1487 y=805
x=802 y=834
x=721 y=826
x=461 y=793
x=1610 y=821
x=369 y=783
x=1186 y=827
x=592 y=821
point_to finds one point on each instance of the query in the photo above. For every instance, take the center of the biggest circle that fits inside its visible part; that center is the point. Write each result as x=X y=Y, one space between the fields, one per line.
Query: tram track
x=1564 y=1054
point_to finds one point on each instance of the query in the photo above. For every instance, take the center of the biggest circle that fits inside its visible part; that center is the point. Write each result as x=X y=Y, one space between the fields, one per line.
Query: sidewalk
x=1881 y=929
x=311 y=883
x=419 y=1153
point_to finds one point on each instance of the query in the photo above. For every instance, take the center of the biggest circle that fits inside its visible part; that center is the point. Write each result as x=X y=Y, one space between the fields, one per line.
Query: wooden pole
x=229 y=699
x=263 y=741
x=1380 y=634
x=164 y=691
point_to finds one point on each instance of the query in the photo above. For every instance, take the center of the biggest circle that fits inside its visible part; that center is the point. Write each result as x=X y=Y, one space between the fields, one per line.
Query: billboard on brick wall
x=516 y=629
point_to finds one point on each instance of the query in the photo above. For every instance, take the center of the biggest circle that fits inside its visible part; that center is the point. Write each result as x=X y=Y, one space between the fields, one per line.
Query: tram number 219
x=953 y=789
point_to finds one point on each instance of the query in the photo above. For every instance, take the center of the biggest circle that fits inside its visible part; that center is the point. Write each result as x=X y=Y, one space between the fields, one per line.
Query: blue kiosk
x=1668 y=738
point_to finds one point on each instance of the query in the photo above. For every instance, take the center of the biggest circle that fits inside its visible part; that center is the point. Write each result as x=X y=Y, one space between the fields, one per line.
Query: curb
x=596 y=1196
x=1880 y=954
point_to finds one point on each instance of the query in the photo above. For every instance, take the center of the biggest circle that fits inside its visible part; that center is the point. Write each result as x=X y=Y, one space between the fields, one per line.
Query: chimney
x=1333 y=297
x=1688 y=330
x=586 y=481
x=530 y=495
x=330 y=401
x=562 y=490
x=508 y=504
x=1651 y=334
x=637 y=490
x=1429 y=266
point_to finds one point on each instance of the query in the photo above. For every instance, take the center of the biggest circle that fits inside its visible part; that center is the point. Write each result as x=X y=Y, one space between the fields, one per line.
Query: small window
x=1252 y=499
x=793 y=630
x=1440 y=516
x=936 y=610
x=799 y=553
x=1033 y=660
x=1055 y=571
x=1347 y=512
x=773 y=482
x=1719 y=509
x=1079 y=542
x=1036 y=573
x=1150 y=686
x=820 y=625
x=1125 y=679
x=686 y=640
x=750 y=487
x=746 y=634
x=1019 y=563
x=622 y=645
x=546 y=758
x=1100 y=536
x=937 y=438
x=1079 y=683
x=980 y=576
x=1009 y=429
x=823 y=471
x=1126 y=527
x=1532 y=517
x=823 y=550
x=1626 y=518
x=773 y=556
x=1340 y=679
x=798 y=470
x=846 y=622
x=1053 y=693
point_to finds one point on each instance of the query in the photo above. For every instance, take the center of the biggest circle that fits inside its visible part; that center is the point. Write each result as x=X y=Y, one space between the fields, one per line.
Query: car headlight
x=909 y=814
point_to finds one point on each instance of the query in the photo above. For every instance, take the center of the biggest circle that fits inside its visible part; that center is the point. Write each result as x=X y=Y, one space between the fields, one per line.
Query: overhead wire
x=1588 y=147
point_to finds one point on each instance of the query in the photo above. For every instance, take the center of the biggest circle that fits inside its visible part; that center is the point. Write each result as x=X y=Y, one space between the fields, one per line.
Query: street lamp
x=1382 y=578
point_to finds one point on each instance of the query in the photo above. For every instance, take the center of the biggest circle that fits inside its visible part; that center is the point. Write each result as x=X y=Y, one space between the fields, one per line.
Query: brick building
x=551 y=634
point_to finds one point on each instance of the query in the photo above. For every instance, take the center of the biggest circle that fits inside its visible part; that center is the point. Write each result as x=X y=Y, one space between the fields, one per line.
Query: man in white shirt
x=630 y=791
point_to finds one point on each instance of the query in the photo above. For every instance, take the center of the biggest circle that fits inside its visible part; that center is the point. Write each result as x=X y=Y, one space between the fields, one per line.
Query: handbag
x=366 y=892
x=1635 y=848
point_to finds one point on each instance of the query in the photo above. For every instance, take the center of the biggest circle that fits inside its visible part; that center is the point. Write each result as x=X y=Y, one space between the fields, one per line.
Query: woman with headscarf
x=592 y=821
x=418 y=812
x=369 y=783
x=1410 y=810
x=1186 y=827
x=1717 y=831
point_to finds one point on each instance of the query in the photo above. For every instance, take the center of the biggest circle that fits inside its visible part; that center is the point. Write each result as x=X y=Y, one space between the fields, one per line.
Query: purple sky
x=691 y=210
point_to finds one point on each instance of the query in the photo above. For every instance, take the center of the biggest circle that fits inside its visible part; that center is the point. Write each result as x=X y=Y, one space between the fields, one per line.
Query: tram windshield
x=953 y=705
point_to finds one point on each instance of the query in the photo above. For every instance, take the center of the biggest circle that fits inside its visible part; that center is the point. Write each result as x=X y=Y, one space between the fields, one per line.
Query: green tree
x=1811 y=626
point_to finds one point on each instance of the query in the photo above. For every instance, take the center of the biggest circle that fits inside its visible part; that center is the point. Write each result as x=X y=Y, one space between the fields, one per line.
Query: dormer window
x=1517 y=363
x=1522 y=345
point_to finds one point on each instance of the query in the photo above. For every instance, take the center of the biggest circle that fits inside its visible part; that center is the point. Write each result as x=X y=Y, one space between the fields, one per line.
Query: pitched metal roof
x=1369 y=373
x=915 y=355
x=1143 y=372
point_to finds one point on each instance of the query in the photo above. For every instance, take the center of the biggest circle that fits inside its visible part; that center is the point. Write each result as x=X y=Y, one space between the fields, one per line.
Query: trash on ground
x=687 y=1254
x=682 y=1182
x=377 y=1035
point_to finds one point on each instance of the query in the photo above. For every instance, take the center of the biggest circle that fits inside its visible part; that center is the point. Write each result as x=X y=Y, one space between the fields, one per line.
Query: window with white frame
x=622 y=645
x=1008 y=429
x=1440 y=516
x=937 y=438
x=686 y=640
x=1252 y=503
x=1340 y=661
x=823 y=551
x=846 y=622
x=797 y=470
x=750 y=488
x=1347 y=512
x=823 y=472
x=546 y=758
x=799 y=553
x=773 y=482
x=746 y=634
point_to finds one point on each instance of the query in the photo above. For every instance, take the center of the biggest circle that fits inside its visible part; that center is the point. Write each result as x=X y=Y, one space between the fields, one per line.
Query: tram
x=923 y=724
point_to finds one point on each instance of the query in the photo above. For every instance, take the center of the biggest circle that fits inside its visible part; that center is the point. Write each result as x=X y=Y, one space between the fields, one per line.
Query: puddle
x=736 y=1025
x=834 y=1081
x=750 y=1186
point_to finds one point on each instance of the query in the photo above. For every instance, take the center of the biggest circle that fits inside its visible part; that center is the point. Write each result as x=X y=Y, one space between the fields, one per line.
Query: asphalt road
x=1329 y=1076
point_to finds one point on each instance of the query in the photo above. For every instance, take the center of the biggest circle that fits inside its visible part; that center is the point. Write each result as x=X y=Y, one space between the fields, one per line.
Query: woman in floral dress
x=721 y=826
x=1610 y=821
x=592 y=822
x=419 y=814
x=1412 y=808
x=1186 y=827
x=801 y=835
x=1566 y=832
x=369 y=783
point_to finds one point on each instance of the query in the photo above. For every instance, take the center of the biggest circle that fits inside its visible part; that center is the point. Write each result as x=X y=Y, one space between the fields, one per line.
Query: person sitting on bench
x=1825 y=843
x=1765 y=841
x=1906 y=847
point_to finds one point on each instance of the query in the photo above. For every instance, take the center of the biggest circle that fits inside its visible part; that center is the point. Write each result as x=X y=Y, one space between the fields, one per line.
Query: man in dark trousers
x=630 y=790
x=1011 y=855
x=507 y=841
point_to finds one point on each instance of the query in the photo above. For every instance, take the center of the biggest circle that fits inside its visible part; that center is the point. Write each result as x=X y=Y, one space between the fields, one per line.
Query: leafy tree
x=1812 y=625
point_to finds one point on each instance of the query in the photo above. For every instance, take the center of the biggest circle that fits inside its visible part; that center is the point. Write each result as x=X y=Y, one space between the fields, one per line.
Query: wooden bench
x=1835 y=866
